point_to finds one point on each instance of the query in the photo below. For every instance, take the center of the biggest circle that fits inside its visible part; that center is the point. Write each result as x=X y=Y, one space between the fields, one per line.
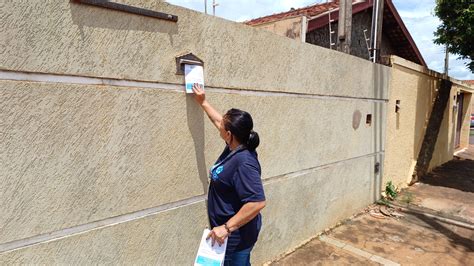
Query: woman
x=236 y=194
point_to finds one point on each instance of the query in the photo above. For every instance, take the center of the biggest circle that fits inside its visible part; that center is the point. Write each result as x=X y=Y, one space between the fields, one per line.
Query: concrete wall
x=104 y=158
x=416 y=88
x=294 y=27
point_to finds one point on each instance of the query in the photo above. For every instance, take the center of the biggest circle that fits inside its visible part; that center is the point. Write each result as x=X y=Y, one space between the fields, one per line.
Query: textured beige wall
x=298 y=208
x=82 y=162
x=95 y=152
x=416 y=88
x=290 y=27
x=305 y=204
x=90 y=41
x=167 y=238
x=444 y=148
x=405 y=129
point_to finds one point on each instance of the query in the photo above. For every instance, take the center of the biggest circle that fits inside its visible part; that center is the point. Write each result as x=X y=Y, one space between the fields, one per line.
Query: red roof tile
x=309 y=11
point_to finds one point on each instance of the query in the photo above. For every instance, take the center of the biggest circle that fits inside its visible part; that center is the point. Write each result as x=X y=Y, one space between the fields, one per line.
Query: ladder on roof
x=367 y=43
x=331 y=31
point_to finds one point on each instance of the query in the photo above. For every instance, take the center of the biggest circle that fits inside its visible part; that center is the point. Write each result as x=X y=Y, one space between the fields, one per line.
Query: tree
x=457 y=28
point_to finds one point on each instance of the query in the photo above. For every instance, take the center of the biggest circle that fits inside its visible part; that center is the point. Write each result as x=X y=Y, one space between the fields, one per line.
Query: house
x=469 y=82
x=311 y=24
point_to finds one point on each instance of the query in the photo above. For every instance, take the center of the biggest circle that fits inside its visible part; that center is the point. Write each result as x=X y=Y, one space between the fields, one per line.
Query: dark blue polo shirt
x=235 y=180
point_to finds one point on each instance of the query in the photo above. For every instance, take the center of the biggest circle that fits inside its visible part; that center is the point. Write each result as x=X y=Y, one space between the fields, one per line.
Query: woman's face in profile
x=225 y=135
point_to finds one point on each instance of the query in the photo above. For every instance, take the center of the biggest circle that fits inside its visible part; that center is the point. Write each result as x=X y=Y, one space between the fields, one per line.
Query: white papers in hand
x=193 y=74
x=209 y=255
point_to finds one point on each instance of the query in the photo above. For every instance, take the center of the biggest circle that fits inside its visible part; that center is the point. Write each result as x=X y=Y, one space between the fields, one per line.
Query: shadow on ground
x=456 y=239
x=457 y=174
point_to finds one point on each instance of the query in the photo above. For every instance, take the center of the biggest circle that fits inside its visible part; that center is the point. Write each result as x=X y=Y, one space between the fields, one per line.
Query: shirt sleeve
x=248 y=184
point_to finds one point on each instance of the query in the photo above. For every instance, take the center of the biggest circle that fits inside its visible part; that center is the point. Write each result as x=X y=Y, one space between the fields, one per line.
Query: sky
x=418 y=17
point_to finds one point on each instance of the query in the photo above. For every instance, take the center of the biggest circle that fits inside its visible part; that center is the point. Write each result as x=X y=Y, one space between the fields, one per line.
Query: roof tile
x=309 y=11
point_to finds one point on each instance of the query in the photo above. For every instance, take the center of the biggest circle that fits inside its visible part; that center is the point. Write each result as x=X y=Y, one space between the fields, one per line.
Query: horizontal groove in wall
x=314 y=169
x=21 y=243
x=79 y=229
x=84 y=80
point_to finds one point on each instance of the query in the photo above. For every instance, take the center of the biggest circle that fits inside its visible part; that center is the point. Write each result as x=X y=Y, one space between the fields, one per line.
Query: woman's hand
x=200 y=97
x=218 y=234
x=199 y=93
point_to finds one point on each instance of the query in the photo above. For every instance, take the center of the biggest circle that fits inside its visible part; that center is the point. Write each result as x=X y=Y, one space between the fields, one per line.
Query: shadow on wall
x=423 y=107
x=195 y=118
x=98 y=17
x=426 y=93
x=434 y=130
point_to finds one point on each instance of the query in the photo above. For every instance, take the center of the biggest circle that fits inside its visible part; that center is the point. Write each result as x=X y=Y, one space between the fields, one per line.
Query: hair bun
x=253 y=141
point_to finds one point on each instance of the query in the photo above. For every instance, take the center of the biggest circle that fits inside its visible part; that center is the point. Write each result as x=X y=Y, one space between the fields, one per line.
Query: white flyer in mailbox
x=209 y=255
x=193 y=74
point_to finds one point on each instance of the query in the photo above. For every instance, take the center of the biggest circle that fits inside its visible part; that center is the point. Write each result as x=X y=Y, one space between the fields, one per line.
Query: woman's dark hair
x=240 y=124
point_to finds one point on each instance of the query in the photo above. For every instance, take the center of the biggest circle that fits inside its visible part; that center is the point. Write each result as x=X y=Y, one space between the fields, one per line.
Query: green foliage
x=391 y=190
x=457 y=28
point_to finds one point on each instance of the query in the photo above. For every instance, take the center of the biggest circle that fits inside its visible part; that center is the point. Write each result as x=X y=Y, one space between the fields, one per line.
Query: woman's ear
x=227 y=136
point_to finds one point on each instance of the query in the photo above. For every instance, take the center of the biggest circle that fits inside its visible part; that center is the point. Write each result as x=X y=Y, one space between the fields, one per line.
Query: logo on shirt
x=215 y=173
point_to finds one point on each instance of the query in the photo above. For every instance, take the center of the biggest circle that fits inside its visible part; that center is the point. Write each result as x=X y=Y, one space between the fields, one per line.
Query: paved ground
x=467 y=153
x=414 y=239
x=433 y=225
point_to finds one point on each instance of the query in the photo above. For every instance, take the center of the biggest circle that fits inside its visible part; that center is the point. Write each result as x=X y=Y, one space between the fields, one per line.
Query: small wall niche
x=368 y=120
x=189 y=59
x=397 y=106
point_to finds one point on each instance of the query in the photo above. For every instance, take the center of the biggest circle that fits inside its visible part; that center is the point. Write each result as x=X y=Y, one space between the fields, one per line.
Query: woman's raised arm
x=200 y=97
